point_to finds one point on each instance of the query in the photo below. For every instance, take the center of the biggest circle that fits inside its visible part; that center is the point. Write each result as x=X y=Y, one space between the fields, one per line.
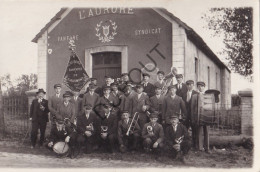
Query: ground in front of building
x=14 y=154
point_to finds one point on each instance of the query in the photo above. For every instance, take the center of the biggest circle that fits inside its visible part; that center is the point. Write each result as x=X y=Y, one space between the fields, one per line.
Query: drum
x=61 y=148
x=206 y=109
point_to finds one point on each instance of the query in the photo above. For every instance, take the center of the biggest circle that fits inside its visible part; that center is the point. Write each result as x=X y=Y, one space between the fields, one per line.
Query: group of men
x=122 y=116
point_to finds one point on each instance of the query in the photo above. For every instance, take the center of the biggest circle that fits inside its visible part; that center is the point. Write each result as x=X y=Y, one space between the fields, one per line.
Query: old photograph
x=117 y=84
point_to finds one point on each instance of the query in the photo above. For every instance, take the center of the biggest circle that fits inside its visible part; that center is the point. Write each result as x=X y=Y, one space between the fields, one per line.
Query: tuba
x=104 y=129
x=133 y=124
x=149 y=129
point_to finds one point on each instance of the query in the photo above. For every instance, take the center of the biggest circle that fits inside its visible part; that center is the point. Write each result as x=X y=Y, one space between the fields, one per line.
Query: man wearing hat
x=140 y=103
x=148 y=87
x=188 y=99
x=53 y=103
x=177 y=141
x=153 y=134
x=97 y=90
x=202 y=134
x=66 y=110
x=108 y=130
x=127 y=142
x=63 y=133
x=127 y=98
x=156 y=102
x=172 y=103
x=124 y=79
x=107 y=98
x=39 y=117
x=77 y=101
x=91 y=97
x=118 y=95
x=88 y=126
x=181 y=87
x=108 y=82
x=160 y=80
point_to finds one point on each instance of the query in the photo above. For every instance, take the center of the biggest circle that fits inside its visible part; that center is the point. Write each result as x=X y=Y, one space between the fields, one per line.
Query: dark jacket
x=188 y=104
x=157 y=130
x=77 y=105
x=123 y=127
x=149 y=89
x=171 y=106
x=36 y=113
x=90 y=99
x=82 y=122
x=111 y=123
x=181 y=92
x=53 y=103
x=66 y=111
x=156 y=104
x=171 y=135
x=137 y=104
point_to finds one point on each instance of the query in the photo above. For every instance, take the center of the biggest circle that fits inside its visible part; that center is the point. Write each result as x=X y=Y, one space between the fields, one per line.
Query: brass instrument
x=150 y=129
x=104 y=129
x=133 y=124
x=90 y=127
x=179 y=140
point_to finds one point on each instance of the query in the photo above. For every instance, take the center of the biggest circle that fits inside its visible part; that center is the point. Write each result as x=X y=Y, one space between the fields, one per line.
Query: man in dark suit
x=91 y=97
x=107 y=98
x=119 y=97
x=153 y=134
x=88 y=127
x=148 y=87
x=160 y=80
x=127 y=98
x=108 y=82
x=124 y=80
x=77 y=102
x=53 y=103
x=188 y=98
x=39 y=117
x=156 y=102
x=181 y=87
x=177 y=141
x=97 y=90
x=63 y=133
x=127 y=142
x=66 y=110
x=108 y=134
x=140 y=103
x=172 y=104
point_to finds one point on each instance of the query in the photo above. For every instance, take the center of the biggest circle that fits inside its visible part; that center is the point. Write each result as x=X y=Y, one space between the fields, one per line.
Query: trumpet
x=104 y=129
x=132 y=124
x=150 y=129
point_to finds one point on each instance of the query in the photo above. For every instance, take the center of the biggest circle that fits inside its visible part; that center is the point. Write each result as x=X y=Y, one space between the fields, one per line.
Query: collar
x=107 y=114
x=76 y=97
x=106 y=96
x=57 y=95
x=158 y=96
x=87 y=115
x=173 y=96
x=66 y=104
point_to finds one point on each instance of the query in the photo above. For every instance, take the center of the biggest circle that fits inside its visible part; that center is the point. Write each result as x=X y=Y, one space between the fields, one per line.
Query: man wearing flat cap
x=188 y=99
x=53 y=103
x=177 y=139
x=66 y=109
x=160 y=80
x=39 y=117
x=172 y=103
x=88 y=126
x=127 y=98
x=181 y=87
x=153 y=134
x=98 y=90
x=202 y=130
x=119 y=97
x=140 y=103
x=148 y=87
x=107 y=98
x=91 y=97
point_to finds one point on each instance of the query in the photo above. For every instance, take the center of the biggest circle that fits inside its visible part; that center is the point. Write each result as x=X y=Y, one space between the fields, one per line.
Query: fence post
x=246 y=112
x=2 y=122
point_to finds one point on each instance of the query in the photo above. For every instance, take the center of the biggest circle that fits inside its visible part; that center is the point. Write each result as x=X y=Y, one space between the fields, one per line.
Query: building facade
x=111 y=41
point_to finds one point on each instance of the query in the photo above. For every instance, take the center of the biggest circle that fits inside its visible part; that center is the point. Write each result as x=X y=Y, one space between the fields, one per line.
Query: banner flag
x=75 y=76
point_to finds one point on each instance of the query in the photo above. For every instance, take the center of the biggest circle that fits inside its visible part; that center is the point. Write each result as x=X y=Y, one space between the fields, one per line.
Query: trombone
x=133 y=124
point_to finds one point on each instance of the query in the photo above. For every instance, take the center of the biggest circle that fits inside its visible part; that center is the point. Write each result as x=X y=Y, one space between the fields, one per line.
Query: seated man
x=108 y=129
x=88 y=125
x=153 y=134
x=65 y=134
x=127 y=140
x=177 y=138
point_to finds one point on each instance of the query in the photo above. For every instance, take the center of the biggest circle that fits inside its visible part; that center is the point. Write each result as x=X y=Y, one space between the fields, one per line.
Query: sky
x=22 y=20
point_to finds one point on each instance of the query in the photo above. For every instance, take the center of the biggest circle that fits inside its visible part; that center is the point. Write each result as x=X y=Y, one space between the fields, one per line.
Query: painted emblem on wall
x=106 y=30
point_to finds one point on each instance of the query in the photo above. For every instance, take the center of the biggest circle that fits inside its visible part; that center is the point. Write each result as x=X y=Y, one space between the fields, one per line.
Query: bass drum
x=206 y=108
x=61 y=149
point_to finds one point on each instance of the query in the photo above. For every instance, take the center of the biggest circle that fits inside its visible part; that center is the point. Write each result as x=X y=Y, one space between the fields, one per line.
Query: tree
x=235 y=24
x=6 y=84
x=26 y=82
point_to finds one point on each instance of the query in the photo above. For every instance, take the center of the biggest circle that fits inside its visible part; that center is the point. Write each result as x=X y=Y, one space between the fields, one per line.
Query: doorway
x=106 y=63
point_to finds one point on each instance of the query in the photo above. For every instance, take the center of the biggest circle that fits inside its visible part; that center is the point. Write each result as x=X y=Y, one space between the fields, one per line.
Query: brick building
x=117 y=40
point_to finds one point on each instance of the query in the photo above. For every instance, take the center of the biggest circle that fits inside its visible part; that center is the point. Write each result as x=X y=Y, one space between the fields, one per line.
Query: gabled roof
x=191 y=34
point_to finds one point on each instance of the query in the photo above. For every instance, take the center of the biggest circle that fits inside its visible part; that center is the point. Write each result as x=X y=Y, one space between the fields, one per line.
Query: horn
x=104 y=129
x=149 y=129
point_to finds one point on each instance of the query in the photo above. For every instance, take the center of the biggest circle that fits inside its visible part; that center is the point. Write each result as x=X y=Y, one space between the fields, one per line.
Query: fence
x=15 y=111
